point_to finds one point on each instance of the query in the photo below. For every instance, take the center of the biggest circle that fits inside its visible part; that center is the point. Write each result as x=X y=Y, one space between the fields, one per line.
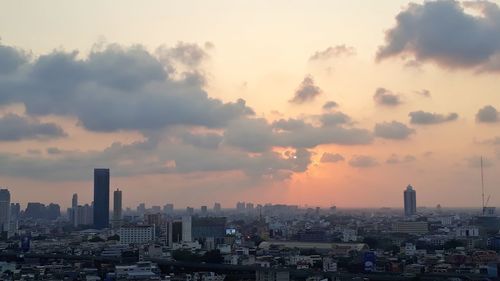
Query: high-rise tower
x=117 y=208
x=101 y=198
x=4 y=210
x=410 y=201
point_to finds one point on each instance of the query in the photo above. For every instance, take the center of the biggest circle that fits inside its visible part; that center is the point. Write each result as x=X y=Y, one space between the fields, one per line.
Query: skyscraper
x=4 y=210
x=117 y=208
x=74 y=207
x=410 y=201
x=101 y=198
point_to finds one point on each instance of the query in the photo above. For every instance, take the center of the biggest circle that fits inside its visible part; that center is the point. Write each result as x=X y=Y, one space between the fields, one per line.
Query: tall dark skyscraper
x=117 y=208
x=101 y=198
x=410 y=201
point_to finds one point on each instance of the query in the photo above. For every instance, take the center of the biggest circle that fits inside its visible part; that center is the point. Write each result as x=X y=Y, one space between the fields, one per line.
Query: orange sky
x=167 y=142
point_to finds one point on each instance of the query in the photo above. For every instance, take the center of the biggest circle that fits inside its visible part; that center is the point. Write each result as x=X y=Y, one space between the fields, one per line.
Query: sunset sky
x=314 y=103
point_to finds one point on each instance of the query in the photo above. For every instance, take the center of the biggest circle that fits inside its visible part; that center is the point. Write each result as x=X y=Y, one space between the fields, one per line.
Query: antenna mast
x=482 y=183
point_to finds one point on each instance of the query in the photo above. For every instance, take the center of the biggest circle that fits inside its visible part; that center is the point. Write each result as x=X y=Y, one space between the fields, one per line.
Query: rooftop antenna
x=482 y=184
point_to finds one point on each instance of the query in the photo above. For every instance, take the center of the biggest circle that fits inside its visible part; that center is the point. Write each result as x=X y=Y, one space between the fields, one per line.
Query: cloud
x=153 y=157
x=306 y=92
x=488 y=114
x=331 y=158
x=208 y=140
x=329 y=105
x=334 y=119
x=116 y=88
x=428 y=118
x=333 y=52
x=189 y=54
x=396 y=159
x=443 y=32
x=256 y=135
x=10 y=59
x=424 y=93
x=363 y=161
x=393 y=130
x=14 y=128
x=383 y=96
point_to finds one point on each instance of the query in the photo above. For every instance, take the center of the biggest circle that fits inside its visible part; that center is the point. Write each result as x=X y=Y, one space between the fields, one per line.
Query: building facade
x=101 y=198
x=410 y=201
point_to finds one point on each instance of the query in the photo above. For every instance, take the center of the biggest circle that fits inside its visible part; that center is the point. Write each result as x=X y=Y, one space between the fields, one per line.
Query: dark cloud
x=333 y=52
x=153 y=157
x=393 y=130
x=306 y=92
x=10 y=59
x=444 y=33
x=428 y=118
x=488 y=114
x=208 y=140
x=257 y=135
x=189 y=54
x=331 y=158
x=383 y=96
x=14 y=127
x=334 y=119
x=329 y=105
x=396 y=159
x=117 y=88
x=363 y=161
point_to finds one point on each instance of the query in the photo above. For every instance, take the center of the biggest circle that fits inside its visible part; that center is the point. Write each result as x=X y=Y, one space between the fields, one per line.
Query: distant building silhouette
x=117 y=208
x=74 y=209
x=410 y=201
x=4 y=210
x=101 y=198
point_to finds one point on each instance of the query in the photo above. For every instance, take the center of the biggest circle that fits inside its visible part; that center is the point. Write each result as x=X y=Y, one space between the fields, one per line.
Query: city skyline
x=195 y=103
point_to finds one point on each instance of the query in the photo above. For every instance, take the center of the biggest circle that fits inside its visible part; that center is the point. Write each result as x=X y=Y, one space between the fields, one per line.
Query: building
x=168 y=208
x=136 y=234
x=411 y=227
x=217 y=207
x=272 y=275
x=410 y=201
x=186 y=229
x=4 y=210
x=203 y=228
x=74 y=207
x=101 y=198
x=117 y=208
x=204 y=210
x=84 y=215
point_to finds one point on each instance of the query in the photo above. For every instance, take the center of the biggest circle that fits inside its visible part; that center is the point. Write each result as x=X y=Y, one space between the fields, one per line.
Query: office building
x=137 y=234
x=186 y=229
x=4 y=210
x=117 y=208
x=101 y=198
x=410 y=201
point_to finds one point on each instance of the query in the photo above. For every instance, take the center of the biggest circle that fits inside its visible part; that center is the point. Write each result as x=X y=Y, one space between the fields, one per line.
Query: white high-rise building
x=4 y=210
x=410 y=201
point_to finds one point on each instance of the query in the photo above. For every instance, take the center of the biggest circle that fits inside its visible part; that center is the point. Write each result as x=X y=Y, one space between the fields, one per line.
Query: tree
x=213 y=256
x=115 y=237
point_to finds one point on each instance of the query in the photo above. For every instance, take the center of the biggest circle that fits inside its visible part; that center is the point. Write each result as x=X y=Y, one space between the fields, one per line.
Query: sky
x=314 y=103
